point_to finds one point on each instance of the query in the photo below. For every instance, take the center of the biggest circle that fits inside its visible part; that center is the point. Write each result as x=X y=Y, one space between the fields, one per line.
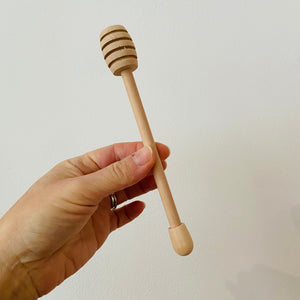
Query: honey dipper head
x=118 y=49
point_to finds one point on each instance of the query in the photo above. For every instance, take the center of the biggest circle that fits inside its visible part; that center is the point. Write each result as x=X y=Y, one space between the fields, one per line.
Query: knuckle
x=63 y=164
x=118 y=172
x=122 y=172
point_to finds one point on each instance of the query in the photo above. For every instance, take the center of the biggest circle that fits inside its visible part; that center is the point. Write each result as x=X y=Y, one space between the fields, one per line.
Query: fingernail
x=142 y=156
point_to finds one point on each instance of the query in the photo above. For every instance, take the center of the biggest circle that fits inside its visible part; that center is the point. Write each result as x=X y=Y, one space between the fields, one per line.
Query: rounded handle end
x=181 y=239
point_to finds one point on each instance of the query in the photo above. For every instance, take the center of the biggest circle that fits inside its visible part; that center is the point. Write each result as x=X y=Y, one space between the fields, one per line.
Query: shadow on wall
x=264 y=283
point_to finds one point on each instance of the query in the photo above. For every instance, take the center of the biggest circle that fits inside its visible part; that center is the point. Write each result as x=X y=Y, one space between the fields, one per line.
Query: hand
x=61 y=221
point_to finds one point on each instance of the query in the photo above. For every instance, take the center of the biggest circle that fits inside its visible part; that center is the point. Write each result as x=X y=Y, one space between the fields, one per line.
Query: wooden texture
x=118 y=49
x=181 y=239
x=179 y=235
x=147 y=138
x=120 y=56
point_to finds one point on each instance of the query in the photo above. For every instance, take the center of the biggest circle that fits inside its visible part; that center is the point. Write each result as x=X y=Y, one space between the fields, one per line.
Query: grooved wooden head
x=118 y=49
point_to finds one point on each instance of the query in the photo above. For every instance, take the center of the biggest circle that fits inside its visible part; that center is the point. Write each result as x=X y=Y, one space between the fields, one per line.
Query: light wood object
x=120 y=56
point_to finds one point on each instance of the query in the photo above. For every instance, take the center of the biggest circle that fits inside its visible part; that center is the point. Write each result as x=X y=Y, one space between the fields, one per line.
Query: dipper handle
x=179 y=235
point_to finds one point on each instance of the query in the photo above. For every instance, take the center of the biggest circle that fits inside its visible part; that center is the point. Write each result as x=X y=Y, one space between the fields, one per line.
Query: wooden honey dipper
x=120 y=55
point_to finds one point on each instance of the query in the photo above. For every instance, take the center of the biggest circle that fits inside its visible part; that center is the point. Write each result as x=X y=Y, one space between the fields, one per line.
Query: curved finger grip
x=181 y=239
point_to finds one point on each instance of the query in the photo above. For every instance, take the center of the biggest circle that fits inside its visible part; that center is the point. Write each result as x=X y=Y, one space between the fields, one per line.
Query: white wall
x=220 y=83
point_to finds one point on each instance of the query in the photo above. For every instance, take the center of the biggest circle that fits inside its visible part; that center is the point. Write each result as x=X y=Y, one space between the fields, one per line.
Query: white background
x=220 y=84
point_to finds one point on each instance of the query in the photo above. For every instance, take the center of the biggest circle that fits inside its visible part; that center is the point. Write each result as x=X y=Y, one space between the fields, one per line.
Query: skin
x=66 y=216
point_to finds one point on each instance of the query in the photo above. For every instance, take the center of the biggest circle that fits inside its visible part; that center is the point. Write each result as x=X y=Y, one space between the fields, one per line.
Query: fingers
x=146 y=185
x=92 y=188
x=126 y=214
x=110 y=154
x=101 y=158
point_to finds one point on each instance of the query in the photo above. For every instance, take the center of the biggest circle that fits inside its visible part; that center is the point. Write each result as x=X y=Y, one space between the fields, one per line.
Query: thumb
x=115 y=177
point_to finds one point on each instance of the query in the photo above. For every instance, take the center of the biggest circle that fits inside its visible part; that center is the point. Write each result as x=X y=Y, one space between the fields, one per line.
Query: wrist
x=15 y=280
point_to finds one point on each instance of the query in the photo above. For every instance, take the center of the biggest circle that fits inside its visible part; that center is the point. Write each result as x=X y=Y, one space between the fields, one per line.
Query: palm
x=74 y=254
